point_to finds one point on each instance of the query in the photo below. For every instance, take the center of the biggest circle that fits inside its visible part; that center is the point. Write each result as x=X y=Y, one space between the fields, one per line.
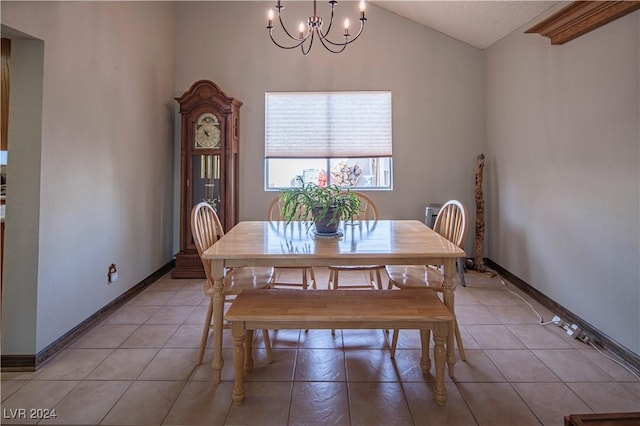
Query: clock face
x=207 y=131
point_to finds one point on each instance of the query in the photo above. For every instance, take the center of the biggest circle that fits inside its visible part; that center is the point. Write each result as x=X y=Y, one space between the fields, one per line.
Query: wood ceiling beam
x=580 y=17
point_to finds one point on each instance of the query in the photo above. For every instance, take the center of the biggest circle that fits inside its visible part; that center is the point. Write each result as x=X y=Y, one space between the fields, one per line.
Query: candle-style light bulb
x=362 y=6
x=346 y=26
x=301 y=29
x=270 y=17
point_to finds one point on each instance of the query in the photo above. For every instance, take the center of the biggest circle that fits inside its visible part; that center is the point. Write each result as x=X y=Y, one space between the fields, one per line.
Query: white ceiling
x=478 y=23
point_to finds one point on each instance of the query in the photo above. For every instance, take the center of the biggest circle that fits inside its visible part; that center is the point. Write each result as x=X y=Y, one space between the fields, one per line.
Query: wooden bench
x=342 y=309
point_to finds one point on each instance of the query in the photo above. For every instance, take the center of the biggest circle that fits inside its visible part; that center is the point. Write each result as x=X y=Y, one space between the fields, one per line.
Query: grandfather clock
x=208 y=165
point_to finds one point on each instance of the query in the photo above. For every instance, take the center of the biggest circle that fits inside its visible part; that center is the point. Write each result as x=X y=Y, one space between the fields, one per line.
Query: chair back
x=368 y=209
x=275 y=210
x=206 y=230
x=452 y=222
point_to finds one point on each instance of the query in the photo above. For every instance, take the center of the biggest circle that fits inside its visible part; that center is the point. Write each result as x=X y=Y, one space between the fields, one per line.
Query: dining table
x=295 y=244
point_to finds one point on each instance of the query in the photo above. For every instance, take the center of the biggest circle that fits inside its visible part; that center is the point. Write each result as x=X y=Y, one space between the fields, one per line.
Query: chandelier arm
x=284 y=47
x=347 y=41
x=324 y=35
x=330 y=48
x=310 y=44
x=284 y=28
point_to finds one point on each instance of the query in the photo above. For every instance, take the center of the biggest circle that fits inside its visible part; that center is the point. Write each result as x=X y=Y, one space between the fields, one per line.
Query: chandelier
x=313 y=29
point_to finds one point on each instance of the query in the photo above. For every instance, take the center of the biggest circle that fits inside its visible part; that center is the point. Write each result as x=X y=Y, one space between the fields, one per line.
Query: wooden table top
x=255 y=243
x=351 y=306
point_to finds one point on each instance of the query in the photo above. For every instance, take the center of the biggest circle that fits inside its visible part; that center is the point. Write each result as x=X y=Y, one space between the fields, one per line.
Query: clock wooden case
x=208 y=165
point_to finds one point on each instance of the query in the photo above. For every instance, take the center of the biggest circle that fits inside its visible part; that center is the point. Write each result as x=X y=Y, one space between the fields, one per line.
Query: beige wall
x=436 y=83
x=563 y=170
x=106 y=174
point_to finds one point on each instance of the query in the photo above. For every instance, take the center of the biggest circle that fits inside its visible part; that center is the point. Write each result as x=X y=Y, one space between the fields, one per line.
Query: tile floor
x=137 y=367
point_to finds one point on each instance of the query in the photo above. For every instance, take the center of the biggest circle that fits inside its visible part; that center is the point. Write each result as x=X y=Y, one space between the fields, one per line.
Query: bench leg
x=439 y=356
x=237 y=332
x=425 y=361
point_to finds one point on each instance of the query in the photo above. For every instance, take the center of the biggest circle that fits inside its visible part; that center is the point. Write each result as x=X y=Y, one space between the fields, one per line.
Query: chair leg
x=460 y=264
x=304 y=279
x=379 y=278
x=459 y=340
x=313 y=278
x=394 y=343
x=205 y=331
x=267 y=345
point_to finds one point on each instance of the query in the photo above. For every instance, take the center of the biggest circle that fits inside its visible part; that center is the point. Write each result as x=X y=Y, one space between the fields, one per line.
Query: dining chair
x=452 y=223
x=206 y=230
x=367 y=211
x=308 y=275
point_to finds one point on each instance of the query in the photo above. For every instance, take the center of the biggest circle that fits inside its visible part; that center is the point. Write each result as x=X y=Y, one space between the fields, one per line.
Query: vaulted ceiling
x=478 y=23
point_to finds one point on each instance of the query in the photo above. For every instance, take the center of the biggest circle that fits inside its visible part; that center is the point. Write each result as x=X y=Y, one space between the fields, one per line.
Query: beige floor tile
x=132 y=314
x=425 y=412
x=551 y=401
x=283 y=338
x=477 y=368
x=320 y=365
x=198 y=315
x=43 y=394
x=187 y=298
x=521 y=366
x=365 y=339
x=150 y=336
x=204 y=372
x=497 y=404
x=88 y=403
x=187 y=336
x=476 y=314
x=281 y=369
x=514 y=314
x=201 y=403
x=407 y=364
x=464 y=297
x=495 y=297
x=319 y=403
x=152 y=296
x=370 y=366
x=18 y=375
x=538 y=337
x=633 y=387
x=606 y=397
x=265 y=404
x=73 y=364
x=407 y=339
x=494 y=337
x=378 y=404
x=612 y=368
x=171 y=364
x=144 y=403
x=9 y=387
x=321 y=339
x=468 y=342
x=123 y=364
x=106 y=336
x=171 y=315
x=572 y=366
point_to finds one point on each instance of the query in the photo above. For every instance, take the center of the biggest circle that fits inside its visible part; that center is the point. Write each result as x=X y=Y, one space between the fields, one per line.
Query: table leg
x=217 y=274
x=448 y=285
x=439 y=333
x=237 y=332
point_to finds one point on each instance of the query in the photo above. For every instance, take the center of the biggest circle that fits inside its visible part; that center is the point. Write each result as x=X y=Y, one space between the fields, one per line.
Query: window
x=341 y=138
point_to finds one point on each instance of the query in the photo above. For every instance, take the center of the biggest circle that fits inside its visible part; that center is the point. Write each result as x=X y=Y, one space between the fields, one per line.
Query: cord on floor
x=585 y=339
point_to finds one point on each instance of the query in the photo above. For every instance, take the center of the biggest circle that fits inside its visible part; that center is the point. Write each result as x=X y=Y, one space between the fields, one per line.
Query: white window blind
x=327 y=124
